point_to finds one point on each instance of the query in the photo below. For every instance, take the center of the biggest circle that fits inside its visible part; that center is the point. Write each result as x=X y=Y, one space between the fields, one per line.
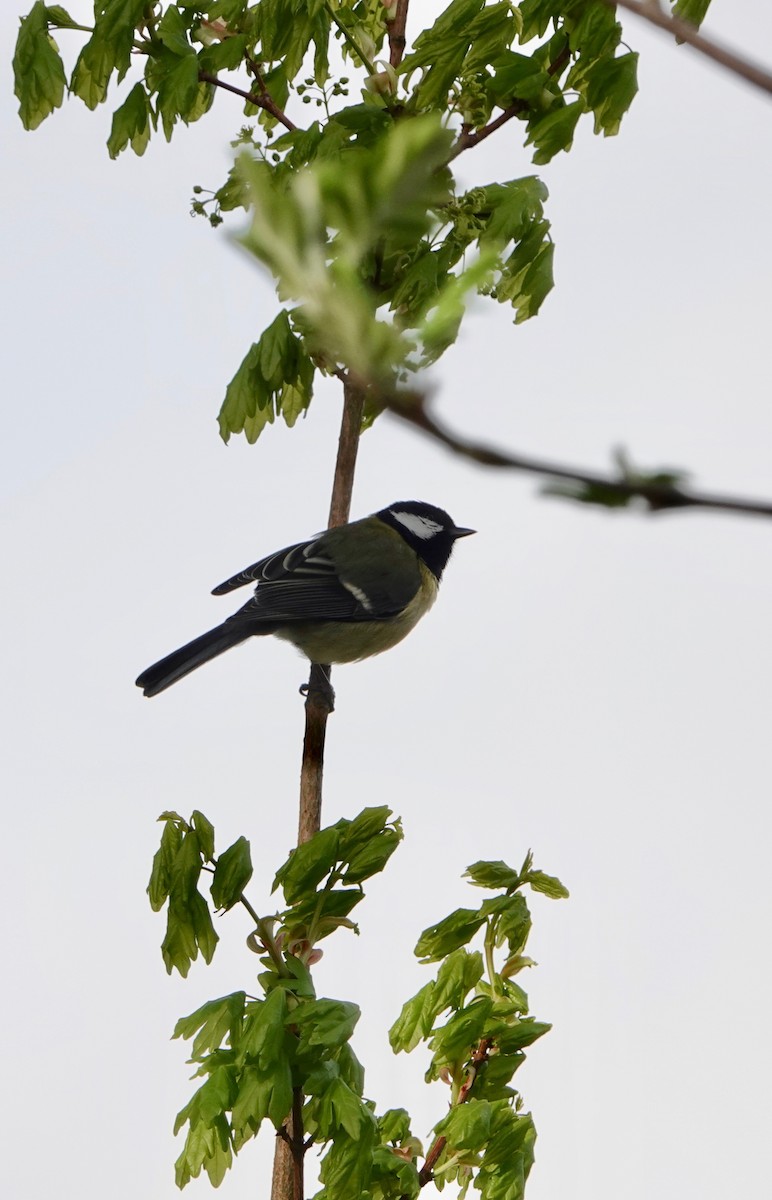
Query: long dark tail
x=181 y=662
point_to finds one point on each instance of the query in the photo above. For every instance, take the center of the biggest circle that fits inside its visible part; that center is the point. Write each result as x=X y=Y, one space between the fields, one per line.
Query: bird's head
x=427 y=529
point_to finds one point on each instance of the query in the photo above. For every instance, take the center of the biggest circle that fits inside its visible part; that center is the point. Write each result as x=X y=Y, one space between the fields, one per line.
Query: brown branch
x=260 y=99
x=650 y=11
x=396 y=30
x=658 y=496
x=473 y=137
x=479 y=1057
x=287 y=1181
x=348 y=446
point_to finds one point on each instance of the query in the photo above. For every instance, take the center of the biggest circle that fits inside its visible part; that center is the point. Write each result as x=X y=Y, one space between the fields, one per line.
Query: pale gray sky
x=594 y=686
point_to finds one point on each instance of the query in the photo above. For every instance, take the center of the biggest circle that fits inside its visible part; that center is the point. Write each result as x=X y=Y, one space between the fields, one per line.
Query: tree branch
x=396 y=30
x=260 y=99
x=658 y=496
x=472 y=137
x=479 y=1057
x=650 y=11
x=287 y=1182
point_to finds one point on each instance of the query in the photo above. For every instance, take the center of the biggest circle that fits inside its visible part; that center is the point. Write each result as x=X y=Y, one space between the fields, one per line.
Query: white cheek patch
x=358 y=594
x=421 y=527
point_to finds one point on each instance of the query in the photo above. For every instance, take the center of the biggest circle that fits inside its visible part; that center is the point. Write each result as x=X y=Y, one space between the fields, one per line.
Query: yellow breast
x=350 y=641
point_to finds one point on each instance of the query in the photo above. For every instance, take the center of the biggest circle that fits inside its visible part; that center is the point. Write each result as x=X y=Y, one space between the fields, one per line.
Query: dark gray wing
x=304 y=559
x=299 y=583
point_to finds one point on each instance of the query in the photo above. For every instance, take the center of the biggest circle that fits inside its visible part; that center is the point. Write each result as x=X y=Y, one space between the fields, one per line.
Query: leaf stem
x=350 y=40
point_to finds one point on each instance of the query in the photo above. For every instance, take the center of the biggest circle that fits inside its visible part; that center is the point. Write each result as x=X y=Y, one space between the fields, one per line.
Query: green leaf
x=517 y=77
x=59 y=17
x=440 y=51
x=393 y=1177
x=358 y=832
x=521 y=1032
x=205 y=833
x=232 y=874
x=467 y=1126
x=439 y=328
x=460 y=972
x=351 y=1069
x=340 y=1108
x=493 y=1077
x=494 y=28
x=347 y=1166
x=454 y=931
x=554 y=132
x=179 y=948
x=160 y=877
x=307 y=865
x=455 y=1040
x=320 y=908
x=513 y=920
x=327 y=1023
x=394 y=1125
x=226 y=55
x=508 y=1155
x=172 y=30
x=262 y=1035
x=203 y=929
x=596 y=34
x=548 y=884
x=208 y=1148
x=611 y=87
x=493 y=875
x=189 y=925
x=415 y=1020
x=372 y=858
x=251 y=1106
x=91 y=76
x=211 y=1023
x=108 y=49
x=131 y=123
x=39 y=79
x=276 y=376
x=693 y=11
x=527 y=277
x=458 y=975
x=512 y=210
x=178 y=86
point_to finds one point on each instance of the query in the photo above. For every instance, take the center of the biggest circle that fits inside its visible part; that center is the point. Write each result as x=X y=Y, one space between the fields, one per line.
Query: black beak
x=457 y=533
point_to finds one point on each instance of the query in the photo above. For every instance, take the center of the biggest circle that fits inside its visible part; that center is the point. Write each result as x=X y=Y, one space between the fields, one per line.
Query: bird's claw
x=319 y=687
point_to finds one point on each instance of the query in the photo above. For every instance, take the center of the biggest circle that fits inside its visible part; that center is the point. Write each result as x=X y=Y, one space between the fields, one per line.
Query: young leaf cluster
x=474 y=1018
x=258 y=1055
x=357 y=216
x=285 y=1050
x=378 y=253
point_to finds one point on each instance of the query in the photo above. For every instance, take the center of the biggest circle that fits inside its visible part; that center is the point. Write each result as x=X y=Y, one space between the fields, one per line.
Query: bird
x=342 y=596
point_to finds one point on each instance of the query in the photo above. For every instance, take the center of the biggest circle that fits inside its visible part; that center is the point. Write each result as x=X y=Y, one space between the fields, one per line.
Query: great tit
x=345 y=595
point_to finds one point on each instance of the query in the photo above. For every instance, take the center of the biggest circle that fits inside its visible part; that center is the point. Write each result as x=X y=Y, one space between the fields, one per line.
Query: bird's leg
x=319 y=688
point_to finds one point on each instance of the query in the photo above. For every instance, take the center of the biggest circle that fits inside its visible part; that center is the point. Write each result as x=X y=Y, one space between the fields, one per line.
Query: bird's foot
x=319 y=689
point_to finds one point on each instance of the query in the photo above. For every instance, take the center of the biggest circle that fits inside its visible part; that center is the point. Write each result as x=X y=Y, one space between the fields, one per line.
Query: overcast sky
x=595 y=686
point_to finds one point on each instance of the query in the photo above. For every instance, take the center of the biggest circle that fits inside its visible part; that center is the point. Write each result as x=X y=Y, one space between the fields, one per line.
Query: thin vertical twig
x=396 y=31
x=287 y=1180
